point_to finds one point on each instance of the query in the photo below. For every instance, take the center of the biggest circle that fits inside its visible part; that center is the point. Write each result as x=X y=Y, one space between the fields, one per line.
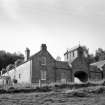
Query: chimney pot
x=43 y=47
x=27 y=54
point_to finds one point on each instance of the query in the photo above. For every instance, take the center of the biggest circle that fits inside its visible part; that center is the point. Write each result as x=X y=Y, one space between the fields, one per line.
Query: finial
x=79 y=43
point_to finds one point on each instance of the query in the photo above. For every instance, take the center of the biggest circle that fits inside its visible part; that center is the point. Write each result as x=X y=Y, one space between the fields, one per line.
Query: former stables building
x=77 y=58
x=40 y=67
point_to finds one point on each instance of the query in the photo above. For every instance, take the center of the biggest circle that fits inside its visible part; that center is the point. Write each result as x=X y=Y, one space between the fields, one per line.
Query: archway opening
x=81 y=76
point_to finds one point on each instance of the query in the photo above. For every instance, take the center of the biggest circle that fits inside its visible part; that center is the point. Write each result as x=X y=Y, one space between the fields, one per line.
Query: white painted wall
x=22 y=73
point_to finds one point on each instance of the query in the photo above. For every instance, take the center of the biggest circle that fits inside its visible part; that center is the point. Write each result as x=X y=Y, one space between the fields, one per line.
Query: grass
x=84 y=94
x=56 y=87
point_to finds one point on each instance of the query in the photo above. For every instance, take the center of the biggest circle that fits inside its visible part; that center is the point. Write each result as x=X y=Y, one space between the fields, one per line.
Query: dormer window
x=43 y=60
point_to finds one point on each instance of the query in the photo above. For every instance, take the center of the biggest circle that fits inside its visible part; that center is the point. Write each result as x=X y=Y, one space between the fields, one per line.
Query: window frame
x=19 y=76
x=43 y=60
x=43 y=75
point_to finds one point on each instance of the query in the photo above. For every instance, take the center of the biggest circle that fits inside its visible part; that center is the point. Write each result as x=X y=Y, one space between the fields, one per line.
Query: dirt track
x=51 y=98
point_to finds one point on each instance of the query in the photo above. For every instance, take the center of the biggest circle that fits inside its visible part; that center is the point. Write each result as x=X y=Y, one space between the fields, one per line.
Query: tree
x=18 y=62
x=58 y=58
x=9 y=67
x=100 y=54
x=91 y=58
x=7 y=58
x=3 y=71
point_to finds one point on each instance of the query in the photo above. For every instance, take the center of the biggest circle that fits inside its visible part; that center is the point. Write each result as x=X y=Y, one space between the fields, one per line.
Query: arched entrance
x=81 y=76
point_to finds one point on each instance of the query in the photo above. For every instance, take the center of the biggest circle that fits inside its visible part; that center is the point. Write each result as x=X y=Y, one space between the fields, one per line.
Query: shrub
x=43 y=89
x=15 y=81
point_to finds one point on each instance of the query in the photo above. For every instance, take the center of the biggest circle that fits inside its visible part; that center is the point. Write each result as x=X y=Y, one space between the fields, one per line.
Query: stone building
x=97 y=70
x=40 y=68
x=77 y=59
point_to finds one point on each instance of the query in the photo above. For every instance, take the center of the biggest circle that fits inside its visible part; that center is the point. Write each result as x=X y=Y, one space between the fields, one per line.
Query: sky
x=60 y=24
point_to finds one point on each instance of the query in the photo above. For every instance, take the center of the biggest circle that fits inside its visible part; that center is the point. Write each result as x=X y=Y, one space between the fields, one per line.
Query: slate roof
x=62 y=65
x=99 y=64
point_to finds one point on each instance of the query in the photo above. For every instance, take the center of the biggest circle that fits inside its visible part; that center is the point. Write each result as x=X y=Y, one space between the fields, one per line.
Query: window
x=63 y=75
x=43 y=75
x=43 y=61
x=73 y=53
x=14 y=76
x=19 y=75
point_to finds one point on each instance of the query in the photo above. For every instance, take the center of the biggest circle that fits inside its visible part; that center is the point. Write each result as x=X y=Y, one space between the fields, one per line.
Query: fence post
x=40 y=83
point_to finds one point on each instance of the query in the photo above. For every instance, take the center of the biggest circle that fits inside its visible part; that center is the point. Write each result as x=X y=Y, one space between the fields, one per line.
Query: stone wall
x=53 y=74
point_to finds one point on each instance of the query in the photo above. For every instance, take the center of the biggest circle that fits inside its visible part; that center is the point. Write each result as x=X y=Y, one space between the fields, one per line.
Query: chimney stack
x=27 y=54
x=43 y=47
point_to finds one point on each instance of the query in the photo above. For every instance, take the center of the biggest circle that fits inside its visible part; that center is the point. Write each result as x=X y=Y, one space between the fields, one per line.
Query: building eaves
x=99 y=64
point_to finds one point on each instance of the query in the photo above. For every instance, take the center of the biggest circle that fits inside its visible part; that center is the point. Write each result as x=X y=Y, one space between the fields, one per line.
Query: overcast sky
x=61 y=24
